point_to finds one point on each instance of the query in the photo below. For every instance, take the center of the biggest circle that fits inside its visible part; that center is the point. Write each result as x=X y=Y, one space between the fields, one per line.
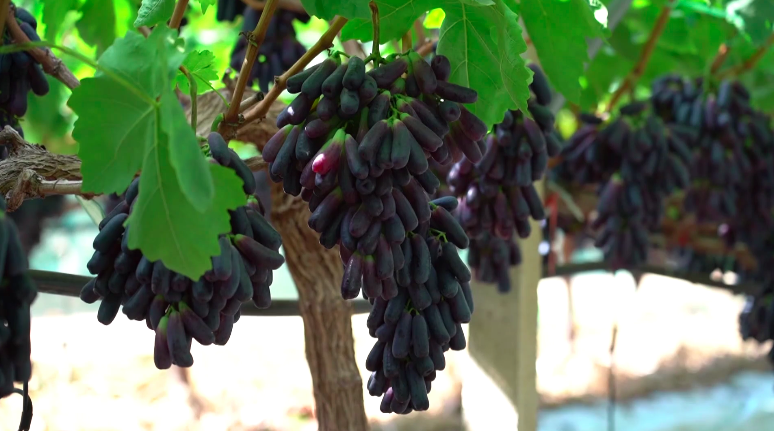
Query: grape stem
x=254 y=39
x=325 y=42
x=5 y=9
x=719 y=59
x=178 y=14
x=406 y=42
x=427 y=48
x=751 y=62
x=375 y=55
x=645 y=55
x=419 y=28
x=289 y=5
x=50 y=63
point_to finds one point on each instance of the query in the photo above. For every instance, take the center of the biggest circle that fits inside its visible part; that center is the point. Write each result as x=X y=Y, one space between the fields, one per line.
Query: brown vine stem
x=33 y=172
x=426 y=49
x=254 y=39
x=290 y=5
x=419 y=28
x=751 y=62
x=325 y=42
x=647 y=52
x=178 y=14
x=406 y=44
x=719 y=59
x=51 y=64
x=5 y=9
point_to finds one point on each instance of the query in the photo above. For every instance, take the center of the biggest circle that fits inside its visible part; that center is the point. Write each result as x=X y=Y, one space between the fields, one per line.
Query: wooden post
x=499 y=384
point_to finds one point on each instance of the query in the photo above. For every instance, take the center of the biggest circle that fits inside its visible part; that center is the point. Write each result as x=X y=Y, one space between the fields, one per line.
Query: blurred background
x=678 y=365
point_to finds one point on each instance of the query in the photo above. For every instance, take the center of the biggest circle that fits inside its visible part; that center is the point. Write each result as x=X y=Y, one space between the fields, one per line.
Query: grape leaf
x=484 y=46
x=395 y=18
x=97 y=25
x=755 y=16
x=186 y=156
x=54 y=12
x=115 y=121
x=164 y=224
x=606 y=68
x=558 y=30
x=206 y=4
x=327 y=9
x=200 y=65
x=154 y=12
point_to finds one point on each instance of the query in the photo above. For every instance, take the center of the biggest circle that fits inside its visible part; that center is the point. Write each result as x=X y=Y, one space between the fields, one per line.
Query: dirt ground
x=87 y=377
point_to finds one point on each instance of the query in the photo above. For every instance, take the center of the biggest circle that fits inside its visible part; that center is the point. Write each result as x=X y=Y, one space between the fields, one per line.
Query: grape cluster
x=723 y=124
x=17 y=292
x=19 y=73
x=279 y=49
x=355 y=145
x=177 y=308
x=495 y=189
x=640 y=159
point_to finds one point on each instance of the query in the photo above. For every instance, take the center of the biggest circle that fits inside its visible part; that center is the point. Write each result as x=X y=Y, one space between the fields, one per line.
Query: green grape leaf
x=164 y=224
x=154 y=12
x=754 y=17
x=97 y=25
x=116 y=120
x=206 y=4
x=606 y=68
x=113 y=125
x=54 y=13
x=395 y=18
x=201 y=66
x=327 y=9
x=559 y=30
x=484 y=46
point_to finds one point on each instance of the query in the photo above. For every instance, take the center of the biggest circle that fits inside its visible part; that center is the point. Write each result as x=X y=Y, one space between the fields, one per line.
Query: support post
x=499 y=383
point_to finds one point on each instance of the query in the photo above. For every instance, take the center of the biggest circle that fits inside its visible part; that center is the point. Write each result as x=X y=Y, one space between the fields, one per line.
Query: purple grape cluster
x=19 y=73
x=17 y=292
x=639 y=159
x=279 y=49
x=176 y=307
x=495 y=189
x=357 y=145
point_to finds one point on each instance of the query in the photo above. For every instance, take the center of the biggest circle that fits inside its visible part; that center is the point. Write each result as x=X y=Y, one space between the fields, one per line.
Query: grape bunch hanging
x=495 y=185
x=725 y=128
x=279 y=49
x=19 y=73
x=177 y=308
x=640 y=159
x=355 y=145
x=17 y=292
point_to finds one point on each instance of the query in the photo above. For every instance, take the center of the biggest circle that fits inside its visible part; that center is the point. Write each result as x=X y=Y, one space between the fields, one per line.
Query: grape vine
x=406 y=155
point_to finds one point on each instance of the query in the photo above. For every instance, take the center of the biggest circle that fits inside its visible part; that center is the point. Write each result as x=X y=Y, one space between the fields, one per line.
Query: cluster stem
x=647 y=51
